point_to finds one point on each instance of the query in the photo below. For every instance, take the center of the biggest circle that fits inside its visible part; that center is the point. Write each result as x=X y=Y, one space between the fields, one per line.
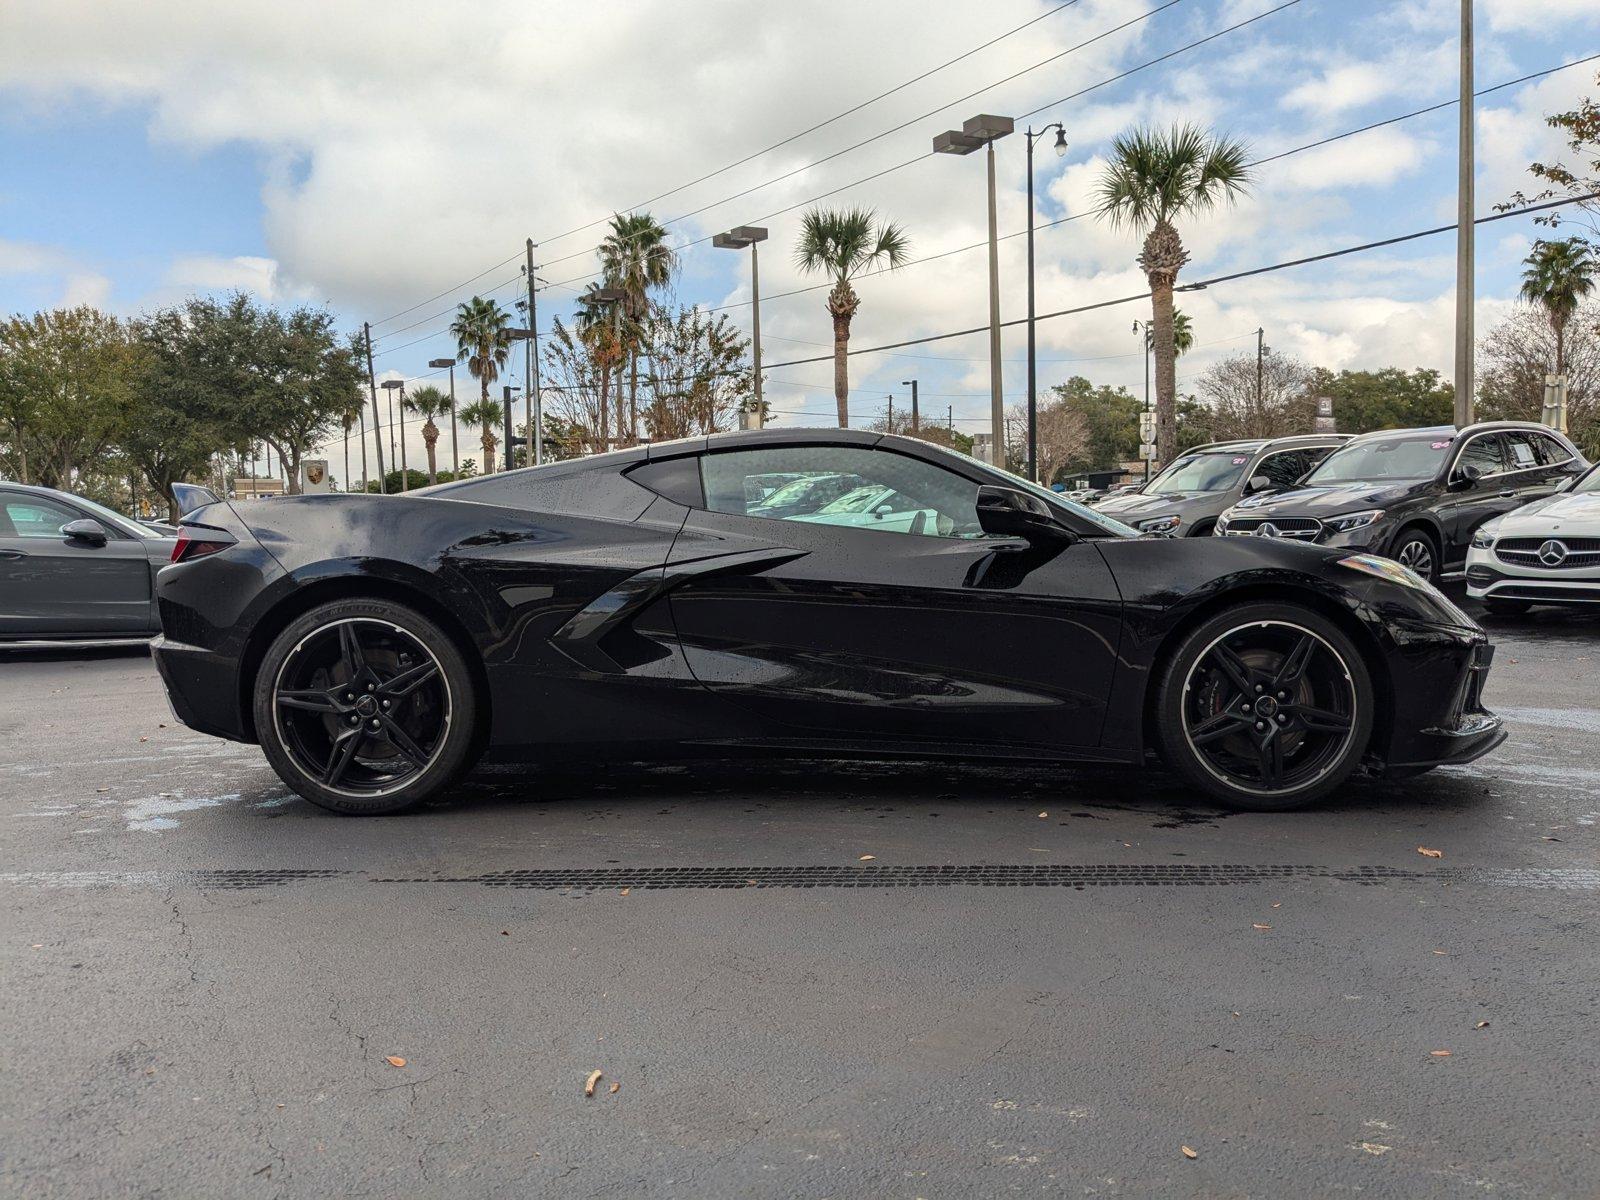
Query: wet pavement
x=1041 y=981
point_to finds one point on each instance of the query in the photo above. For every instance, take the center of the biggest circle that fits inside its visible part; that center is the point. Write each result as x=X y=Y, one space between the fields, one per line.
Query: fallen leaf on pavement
x=394 y=1060
x=588 y=1085
x=1481 y=1025
x=1277 y=904
x=1258 y=925
x=1376 y=1147
x=505 y=933
x=1426 y=853
x=615 y=1088
x=625 y=891
x=867 y=857
x=1187 y=1152
x=1440 y=1053
x=1043 y=815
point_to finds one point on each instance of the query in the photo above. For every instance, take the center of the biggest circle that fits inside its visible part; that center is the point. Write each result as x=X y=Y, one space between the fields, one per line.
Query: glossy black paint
x=1449 y=506
x=599 y=610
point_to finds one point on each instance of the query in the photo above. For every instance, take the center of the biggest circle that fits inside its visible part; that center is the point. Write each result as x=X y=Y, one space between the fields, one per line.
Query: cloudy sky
x=388 y=159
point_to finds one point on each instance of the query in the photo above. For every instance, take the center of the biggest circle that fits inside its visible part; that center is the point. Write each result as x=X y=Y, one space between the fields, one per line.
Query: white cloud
x=86 y=287
x=215 y=273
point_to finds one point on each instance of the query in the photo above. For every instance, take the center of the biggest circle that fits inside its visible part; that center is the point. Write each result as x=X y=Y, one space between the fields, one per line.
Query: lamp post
x=389 y=386
x=738 y=239
x=912 y=384
x=1033 y=370
x=983 y=131
x=455 y=450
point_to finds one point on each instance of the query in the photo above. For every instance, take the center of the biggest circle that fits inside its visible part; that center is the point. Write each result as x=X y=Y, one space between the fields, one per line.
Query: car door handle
x=1509 y=492
x=13 y=555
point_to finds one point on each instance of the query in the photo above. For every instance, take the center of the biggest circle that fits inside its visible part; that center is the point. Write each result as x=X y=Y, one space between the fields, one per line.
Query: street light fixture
x=983 y=131
x=1033 y=367
x=455 y=449
x=915 y=421
x=389 y=386
x=738 y=239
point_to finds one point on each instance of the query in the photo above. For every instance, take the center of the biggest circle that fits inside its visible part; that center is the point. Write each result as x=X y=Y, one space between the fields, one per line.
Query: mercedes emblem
x=1553 y=553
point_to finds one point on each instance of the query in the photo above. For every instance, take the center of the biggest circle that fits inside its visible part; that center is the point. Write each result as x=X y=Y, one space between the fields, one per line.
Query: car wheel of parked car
x=1508 y=608
x=365 y=706
x=1415 y=549
x=1266 y=707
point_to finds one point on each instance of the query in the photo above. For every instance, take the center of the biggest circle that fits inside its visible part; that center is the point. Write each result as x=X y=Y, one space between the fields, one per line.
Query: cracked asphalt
x=1043 y=982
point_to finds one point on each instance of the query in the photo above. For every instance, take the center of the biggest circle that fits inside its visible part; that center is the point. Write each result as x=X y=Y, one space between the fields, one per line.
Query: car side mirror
x=1466 y=478
x=1012 y=512
x=86 y=531
x=1258 y=483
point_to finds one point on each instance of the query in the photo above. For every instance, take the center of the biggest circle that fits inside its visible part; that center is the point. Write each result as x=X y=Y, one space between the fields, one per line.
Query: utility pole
x=530 y=376
x=997 y=407
x=916 y=422
x=1466 y=272
x=372 y=386
x=891 y=412
x=1261 y=353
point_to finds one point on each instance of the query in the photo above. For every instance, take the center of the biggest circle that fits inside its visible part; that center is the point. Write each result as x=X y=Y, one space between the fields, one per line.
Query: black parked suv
x=1414 y=495
x=1187 y=498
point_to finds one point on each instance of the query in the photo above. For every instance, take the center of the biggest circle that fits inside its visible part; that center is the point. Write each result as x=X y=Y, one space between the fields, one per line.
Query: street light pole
x=738 y=239
x=1261 y=353
x=915 y=419
x=984 y=130
x=531 y=399
x=389 y=386
x=455 y=450
x=1145 y=328
x=1033 y=379
x=377 y=429
x=1465 y=230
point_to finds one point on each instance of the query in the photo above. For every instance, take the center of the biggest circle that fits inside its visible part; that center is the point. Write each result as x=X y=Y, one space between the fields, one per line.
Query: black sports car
x=630 y=603
x=1415 y=495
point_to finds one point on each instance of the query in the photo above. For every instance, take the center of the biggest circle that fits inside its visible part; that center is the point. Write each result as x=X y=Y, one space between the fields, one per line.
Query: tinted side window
x=1485 y=453
x=34 y=516
x=1285 y=467
x=1524 y=450
x=844 y=486
x=1551 y=452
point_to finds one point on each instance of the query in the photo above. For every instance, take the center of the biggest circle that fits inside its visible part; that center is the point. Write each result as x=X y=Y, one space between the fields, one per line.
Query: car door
x=1465 y=506
x=912 y=627
x=52 y=585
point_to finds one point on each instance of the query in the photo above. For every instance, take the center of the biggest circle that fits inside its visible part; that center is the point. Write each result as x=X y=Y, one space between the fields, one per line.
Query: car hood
x=1142 y=505
x=1576 y=515
x=1324 y=501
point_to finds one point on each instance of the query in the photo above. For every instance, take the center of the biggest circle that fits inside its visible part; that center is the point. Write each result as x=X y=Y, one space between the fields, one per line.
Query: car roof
x=1293 y=442
x=1450 y=431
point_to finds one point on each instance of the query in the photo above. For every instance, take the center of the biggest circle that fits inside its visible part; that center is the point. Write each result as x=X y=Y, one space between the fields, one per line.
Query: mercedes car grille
x=1549 y=553
x=1302 y=528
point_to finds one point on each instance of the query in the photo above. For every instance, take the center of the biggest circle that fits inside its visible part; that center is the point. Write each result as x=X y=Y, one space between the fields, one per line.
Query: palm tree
x=1558 y=274
x=841 y=244
x=600 y=329
x=483 y=342
x=484 y=413
x=1154 y=177
x=635 y=258
x=428 y=403
x=1182 y=334
x=348 y=416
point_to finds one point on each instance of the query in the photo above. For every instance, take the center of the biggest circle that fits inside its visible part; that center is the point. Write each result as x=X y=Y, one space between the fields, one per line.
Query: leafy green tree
x=1557 y=275
x=601 y=349
x=429 y=402
x=636 y=259
x=701 y=377
x=841 y=244
x=1153 y=179
x=1514 y=357
x=484 y=413
x=1389 y=398
x=483 y=342
x=1574 y=178
x=1110 y=419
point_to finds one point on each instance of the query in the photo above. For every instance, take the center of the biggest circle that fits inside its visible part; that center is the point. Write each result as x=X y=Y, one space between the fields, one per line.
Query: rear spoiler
x=191 y=496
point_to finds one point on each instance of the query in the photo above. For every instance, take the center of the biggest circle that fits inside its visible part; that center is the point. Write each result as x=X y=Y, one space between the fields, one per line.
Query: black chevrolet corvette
x=639 y=603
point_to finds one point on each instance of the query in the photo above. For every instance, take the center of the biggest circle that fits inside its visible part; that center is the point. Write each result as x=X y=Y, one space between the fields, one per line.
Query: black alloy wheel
x=364 y=707
x=1415 y=550
x=1268 y=707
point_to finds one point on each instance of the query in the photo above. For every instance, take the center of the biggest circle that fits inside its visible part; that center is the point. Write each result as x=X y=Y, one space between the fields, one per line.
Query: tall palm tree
x=600 y=329
x=482 y=330
x=636 y=259
x=1557 y=275
x=1154 y=178
x=428 y=403
x=841 y=244
x=1182 y=333
x=484 y=413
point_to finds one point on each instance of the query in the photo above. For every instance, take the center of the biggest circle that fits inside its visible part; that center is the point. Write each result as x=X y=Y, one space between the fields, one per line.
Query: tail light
x=198 y=541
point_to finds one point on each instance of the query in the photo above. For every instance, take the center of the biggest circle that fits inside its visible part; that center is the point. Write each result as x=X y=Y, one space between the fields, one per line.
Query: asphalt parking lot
x=1040 y=982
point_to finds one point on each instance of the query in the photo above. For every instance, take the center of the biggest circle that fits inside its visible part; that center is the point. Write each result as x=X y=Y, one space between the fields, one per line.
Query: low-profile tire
x=1508 y=608
x=365 y=707
x=1415 y=548
x=1267 y=707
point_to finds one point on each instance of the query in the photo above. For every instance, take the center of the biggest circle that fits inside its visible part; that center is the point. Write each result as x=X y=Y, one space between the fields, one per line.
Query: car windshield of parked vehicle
x=1213 y=471
x=1417 y=456
x=1589 y=482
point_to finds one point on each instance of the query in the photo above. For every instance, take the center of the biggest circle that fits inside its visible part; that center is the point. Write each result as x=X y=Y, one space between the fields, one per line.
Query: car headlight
x=1160 y=524
x=1482 y=539
x=1387 y=568
x=1221 y=527
x=1357 y=520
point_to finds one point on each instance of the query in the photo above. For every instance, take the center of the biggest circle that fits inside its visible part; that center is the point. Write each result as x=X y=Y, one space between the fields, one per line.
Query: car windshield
x=1214 y=471
x=1413 y=457
x=1589 y=482
x=862 y=499
x=796 y=491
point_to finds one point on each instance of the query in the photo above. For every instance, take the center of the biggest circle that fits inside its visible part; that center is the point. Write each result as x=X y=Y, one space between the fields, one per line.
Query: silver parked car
x=74 y=570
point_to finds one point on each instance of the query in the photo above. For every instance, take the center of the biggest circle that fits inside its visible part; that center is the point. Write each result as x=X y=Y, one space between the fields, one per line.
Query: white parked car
x=1546 y=552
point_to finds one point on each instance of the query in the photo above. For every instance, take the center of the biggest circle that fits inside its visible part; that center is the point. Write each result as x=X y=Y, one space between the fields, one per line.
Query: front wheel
x=365 y=707
x=1416 y=550
x=1266 y=707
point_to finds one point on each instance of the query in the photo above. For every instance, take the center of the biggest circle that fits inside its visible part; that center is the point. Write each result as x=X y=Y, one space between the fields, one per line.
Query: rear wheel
x=1265 y=707
x=365 y=706
x=1415 y=549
